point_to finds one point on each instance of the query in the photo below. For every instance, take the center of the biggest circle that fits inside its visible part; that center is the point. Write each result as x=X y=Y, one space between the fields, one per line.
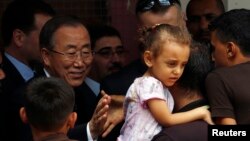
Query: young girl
x=148 y=103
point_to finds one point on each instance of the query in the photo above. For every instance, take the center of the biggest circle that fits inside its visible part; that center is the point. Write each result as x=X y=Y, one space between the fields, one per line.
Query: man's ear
x=45 y=56
x=18 y=37
x=23 y=115
x=72 y=119
x=147 y=56
x=231 y=49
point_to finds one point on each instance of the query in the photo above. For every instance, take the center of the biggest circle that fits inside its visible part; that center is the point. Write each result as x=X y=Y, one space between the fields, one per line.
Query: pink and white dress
x=139 y=124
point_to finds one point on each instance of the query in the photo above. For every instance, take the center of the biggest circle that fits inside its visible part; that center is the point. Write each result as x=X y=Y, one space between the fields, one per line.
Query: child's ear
x=147 y=56
x=72 y=119
x=231 y=50
x=23 y=115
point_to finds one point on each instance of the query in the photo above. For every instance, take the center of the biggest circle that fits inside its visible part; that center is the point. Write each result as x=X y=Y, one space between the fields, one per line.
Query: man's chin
x=75 y=83
x=113 y=70
x=204 y=38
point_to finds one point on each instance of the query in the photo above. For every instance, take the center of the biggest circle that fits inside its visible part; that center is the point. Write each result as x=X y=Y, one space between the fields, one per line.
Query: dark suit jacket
x=192 y=131
x=13 y=78
x=118 y=83
x=12 y=82
x=85 y=103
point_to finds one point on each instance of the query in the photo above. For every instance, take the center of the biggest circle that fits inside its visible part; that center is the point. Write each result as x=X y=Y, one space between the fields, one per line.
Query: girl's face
x=168 y=66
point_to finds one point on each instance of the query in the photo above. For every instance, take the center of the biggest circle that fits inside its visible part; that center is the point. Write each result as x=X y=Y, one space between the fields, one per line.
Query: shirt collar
x=25 y=71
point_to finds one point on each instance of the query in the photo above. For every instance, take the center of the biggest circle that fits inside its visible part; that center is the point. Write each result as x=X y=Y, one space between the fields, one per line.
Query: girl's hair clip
x=154 y=26
x=145 y=30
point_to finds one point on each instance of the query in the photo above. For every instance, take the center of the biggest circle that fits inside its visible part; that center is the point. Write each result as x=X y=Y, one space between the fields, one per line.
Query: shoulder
x=147 y=80
x=229 y=72
x=236 y=68
x=8 y=67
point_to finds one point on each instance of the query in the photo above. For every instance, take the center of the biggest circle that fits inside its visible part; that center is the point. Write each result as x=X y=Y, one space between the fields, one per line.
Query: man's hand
x=99 y=118
x=115 y=113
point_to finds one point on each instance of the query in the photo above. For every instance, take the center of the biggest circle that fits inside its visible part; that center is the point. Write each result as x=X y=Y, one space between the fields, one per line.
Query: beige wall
x=235 y=4
x=229 y=4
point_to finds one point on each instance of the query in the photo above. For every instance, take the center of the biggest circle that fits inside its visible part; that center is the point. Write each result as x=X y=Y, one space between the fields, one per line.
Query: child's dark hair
x=227 y=30
x=48 y=103
x=155 y=37
x=197 y=68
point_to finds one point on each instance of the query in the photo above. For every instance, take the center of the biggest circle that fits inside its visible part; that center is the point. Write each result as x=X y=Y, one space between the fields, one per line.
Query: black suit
x=85 y=103
x=192 y=131
x=13 y=78
x=118 y=83
x=11 y=85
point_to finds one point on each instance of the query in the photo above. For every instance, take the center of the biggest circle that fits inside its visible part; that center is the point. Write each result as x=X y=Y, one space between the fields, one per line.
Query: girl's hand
x=207 y=114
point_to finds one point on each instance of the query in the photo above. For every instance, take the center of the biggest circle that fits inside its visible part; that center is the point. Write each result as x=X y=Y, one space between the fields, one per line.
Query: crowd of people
x=63 y=80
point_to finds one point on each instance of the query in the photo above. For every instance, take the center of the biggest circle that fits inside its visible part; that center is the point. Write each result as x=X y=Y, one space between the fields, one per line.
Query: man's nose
x=115 y=57
x=204 y=23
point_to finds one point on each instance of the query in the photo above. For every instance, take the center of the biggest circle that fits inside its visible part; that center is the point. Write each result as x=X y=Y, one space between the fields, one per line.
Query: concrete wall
x=229 y=4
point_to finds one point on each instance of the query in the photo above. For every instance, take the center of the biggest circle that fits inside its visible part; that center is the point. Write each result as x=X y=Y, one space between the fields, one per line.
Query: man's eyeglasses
x=84 y=54
x=146 y=5
x=107 y=52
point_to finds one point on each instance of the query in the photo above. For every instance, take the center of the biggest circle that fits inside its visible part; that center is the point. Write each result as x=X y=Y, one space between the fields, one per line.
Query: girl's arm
x=162 y=115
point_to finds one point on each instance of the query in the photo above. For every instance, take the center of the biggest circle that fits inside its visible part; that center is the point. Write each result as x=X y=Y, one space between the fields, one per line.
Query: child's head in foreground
x=167 y=52
x=49 y=104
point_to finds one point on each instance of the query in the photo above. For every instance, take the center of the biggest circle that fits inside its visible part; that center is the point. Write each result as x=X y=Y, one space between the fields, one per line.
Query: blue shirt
x=25 y=71
x=93 y=85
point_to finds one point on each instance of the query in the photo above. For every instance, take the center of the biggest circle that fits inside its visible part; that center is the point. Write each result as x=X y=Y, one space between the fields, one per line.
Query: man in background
x=228 y=85
x=199 y=14
x=109 y=54
x=2 y=75
x=21 y=24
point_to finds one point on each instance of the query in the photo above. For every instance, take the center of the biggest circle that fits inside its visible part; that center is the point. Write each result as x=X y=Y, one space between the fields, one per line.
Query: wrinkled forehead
x=71 y=34
x=203 y=7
